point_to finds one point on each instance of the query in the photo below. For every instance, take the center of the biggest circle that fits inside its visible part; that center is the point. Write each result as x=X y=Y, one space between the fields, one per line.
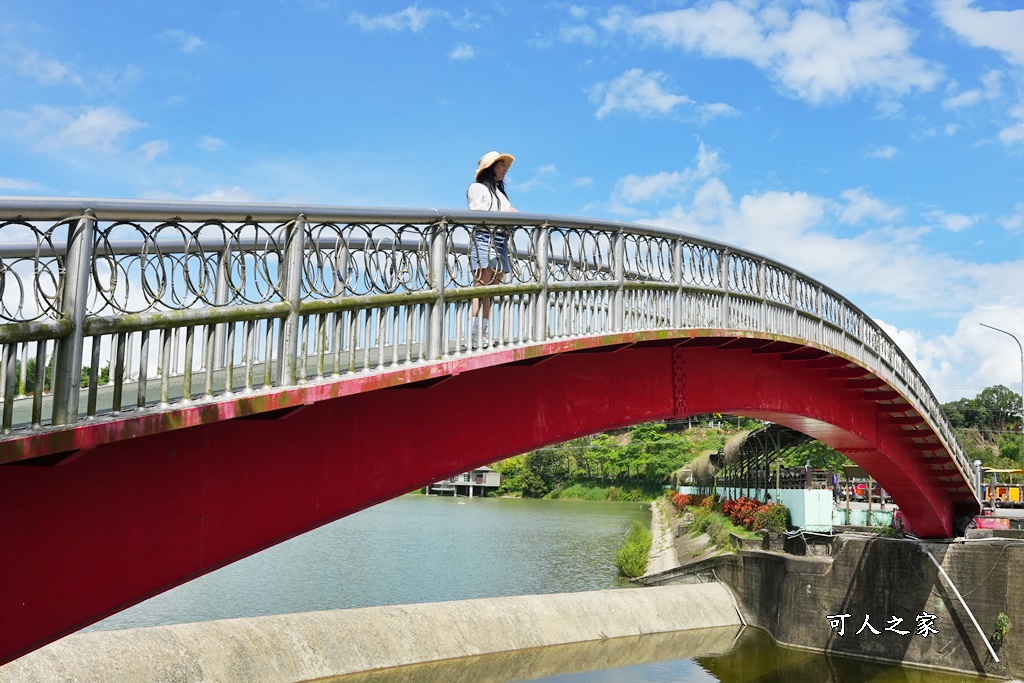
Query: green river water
x=427 y=549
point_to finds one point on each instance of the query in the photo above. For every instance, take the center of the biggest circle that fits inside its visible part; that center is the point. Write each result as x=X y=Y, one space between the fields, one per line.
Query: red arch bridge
x=186 y=384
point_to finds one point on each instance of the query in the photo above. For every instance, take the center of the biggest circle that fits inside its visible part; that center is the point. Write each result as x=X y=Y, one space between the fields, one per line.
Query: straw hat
x=488 y=160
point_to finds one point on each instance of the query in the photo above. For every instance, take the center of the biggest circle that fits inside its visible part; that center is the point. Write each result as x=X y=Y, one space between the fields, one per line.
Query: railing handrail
x=735 y=282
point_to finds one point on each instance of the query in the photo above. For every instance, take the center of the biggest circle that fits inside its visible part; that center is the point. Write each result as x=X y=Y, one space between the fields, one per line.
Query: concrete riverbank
x=317 y=645
x=886 y=588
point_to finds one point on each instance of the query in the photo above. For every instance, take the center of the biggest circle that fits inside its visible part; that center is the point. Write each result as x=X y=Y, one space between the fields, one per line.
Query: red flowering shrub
x=755 y=515
x=685 y=500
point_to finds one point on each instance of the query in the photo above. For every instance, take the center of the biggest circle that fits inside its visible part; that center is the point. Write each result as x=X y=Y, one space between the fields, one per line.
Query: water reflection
x=722 y=655
x=756 y=658
x=599 y=657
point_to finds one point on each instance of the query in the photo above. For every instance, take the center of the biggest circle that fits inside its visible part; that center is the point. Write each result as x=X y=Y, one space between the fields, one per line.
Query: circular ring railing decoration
x=151 y=295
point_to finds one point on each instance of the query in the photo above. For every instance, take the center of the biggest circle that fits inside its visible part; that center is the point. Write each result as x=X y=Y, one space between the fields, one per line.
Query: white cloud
x=636 y=189
x=461 y=53
x=889 y=109
x=953 y=222
x=816 y=55
x=545 y=178
x=858 y=206
x=209 y=143
x=885 y=152
x=186 y=42
x=1014 y=134
x=998 y=30
x=637 y=92
x=152 y=149
x=972 y=357
x=227 y=194
x=45 y=71
x=584 y=35
x=18 y=185
x=968 y=98
x=633 y=188
x=411 y=18
x=94 y=129
x=707 y=112
x=1014 y=221
x=990 y=89
x=892 y=267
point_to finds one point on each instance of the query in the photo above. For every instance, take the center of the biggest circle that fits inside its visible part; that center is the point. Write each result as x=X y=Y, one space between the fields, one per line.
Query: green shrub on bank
x=717 y=526
x=631 y=558
x=594 y=490
x=581 y=491
x=632 y=494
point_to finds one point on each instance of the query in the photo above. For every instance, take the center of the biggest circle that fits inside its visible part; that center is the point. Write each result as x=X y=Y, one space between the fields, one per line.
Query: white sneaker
x=476 y=340
x=487 y=334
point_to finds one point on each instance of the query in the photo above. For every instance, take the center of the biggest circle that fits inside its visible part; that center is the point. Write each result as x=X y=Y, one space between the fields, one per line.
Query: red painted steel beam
x=133 y=517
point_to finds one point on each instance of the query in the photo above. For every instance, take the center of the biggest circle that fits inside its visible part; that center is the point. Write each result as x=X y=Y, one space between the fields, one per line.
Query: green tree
x=102 y=377
x=1001 y=405
x=603 y=454
x=995 y=408
x=548 y=464
x=513 y=471
x=1010 y=449
x=820 y=456
x=30 y=374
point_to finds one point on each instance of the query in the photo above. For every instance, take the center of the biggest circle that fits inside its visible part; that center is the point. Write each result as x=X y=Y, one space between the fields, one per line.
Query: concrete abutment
x=879 y=581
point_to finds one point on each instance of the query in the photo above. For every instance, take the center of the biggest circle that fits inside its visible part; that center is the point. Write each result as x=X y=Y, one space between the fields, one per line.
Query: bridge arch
x=605 y=326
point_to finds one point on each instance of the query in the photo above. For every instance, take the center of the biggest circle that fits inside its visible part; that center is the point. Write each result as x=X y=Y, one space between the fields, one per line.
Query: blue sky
x=876 y=146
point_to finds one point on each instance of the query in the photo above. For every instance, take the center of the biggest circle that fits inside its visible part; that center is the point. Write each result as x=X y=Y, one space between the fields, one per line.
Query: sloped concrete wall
x=304 y=647
x=877 y=579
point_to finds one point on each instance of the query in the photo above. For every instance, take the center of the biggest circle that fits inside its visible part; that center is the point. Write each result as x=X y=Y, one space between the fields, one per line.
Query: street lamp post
x=1019 y=346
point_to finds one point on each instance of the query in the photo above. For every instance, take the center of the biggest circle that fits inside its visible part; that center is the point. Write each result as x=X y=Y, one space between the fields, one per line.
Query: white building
x=475 y=483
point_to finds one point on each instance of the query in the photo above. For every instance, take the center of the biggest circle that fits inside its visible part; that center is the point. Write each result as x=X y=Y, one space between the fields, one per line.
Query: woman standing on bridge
x=488 y=252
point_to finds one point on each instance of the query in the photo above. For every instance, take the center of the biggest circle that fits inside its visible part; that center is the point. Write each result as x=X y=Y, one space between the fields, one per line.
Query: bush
x=773 y=517
x=754 y=515
x=581 y=491
x=701 y=518
x=1002 y=626
x=631 y=558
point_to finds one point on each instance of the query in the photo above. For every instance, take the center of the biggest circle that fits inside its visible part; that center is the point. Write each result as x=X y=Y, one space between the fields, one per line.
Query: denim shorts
x=489 y=250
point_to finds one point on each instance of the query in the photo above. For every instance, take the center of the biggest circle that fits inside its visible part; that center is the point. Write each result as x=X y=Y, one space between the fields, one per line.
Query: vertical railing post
x=67 y=365
x=291 y=291
x=819 y=307
x=619 y=269
x=541 y=247
x=221 y=298
x=337 y=334
x=761 y=267
x=438 y=266
x=791 y=300
x=723 y=280
x=677 y=278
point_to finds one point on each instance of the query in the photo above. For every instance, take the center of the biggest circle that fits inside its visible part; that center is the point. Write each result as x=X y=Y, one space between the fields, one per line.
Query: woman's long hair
x=486 y=177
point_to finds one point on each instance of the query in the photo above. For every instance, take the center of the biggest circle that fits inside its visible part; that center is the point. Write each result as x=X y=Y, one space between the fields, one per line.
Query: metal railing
x=113 y=306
